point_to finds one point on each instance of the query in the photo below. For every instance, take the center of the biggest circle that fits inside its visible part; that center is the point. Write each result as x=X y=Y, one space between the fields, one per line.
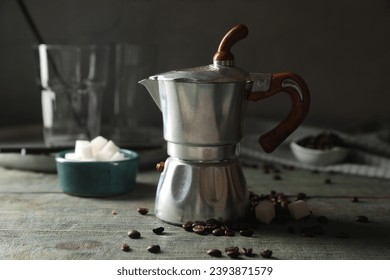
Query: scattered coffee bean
x=198 y=229
x=247 y=252
x=232 y=249
x=361 y=219
x=154 y=249
x=246 y=232
x=342 y=235
x=355 y=199
x=212 y=221
x=187 y=226
x=233 y=254
x=134 y=234
x=215 y=253
x=218 y=232
x=277 y=177
x=210 y=227
x=160 y=166
x=158 y=231
x=322 y=219
x=328 y=181
x=196 y=223
x=229 y=232
x=125 y=247
x=143 y=211
x=266 y=254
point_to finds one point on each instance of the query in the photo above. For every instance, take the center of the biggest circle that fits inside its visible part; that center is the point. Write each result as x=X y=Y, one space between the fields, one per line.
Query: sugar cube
x=299 y=209
x=117 y=156
x=108 y=150
x=83 y=150
x=71 y=156
x=265 y=211
x=97 y=144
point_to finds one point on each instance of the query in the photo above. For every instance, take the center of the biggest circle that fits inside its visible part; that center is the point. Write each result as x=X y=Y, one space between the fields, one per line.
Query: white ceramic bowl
x=318 y=157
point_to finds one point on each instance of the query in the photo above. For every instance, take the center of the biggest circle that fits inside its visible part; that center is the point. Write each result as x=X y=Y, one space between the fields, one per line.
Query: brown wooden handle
x=234 y=35
x=296 y=88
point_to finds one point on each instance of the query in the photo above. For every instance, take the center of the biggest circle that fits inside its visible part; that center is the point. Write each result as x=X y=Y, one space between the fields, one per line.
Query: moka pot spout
x=153 y=89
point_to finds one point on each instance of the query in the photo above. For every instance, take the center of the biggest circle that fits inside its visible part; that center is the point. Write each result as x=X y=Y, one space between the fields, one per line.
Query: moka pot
x=203 y=110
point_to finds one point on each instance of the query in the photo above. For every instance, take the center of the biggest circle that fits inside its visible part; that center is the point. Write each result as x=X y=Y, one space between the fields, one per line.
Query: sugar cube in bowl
x=97 y=170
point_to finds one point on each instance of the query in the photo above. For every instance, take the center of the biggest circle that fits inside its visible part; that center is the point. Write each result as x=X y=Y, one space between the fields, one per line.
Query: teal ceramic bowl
x=97 y=178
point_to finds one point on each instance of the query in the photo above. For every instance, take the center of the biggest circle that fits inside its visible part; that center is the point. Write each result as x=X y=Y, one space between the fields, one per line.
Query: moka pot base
x=198 y=191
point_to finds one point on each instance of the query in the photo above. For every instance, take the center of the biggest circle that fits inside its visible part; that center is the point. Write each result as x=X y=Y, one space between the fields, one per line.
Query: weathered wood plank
x=38 y=221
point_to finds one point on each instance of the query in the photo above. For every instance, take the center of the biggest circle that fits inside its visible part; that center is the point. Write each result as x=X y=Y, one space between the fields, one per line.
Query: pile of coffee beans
x=244 y=226
x=323 y=141
x=235 y=252
x=220 y=228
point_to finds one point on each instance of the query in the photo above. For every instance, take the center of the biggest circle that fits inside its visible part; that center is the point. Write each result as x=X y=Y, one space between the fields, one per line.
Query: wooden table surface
x=39 y=221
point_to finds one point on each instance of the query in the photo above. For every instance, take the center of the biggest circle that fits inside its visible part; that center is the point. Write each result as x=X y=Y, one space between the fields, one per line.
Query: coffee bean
x=158 y=230
x=355 y=199
x=342 y=235
x=323 y=141
x=125 y=247
x=277 y=177
x=247 y=251
x=328 y=181
x=322 y=219
x=209 y=227
x=246 y=232
x=266 y=254
x=361 y=219
x=143 y=211
x=134 y=234
x=215 y=253
x=202 y=223
x=212 y=221
x=229 y=232
x=198 y=229
x=154 y=249
x=187 y=226
x=232 y=249
x=218 y=232
x=233 y=254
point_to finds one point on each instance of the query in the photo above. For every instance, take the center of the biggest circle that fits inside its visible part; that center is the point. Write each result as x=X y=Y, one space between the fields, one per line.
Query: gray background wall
x=340 y=47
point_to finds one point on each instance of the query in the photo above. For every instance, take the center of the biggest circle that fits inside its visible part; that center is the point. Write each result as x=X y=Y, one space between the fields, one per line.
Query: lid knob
x=223 y=56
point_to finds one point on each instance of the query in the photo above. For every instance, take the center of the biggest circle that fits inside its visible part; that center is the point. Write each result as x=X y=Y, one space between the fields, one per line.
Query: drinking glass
x=72 y=79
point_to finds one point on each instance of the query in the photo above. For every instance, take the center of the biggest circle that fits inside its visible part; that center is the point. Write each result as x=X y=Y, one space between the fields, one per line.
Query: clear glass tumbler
x=72 y=79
